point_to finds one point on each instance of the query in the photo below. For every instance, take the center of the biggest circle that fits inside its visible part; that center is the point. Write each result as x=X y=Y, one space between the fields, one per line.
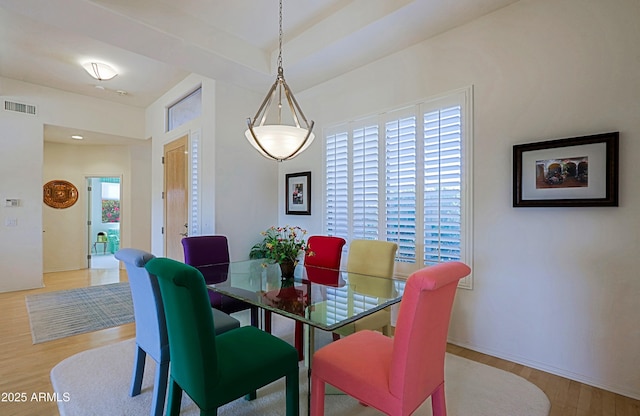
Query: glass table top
x=323 y=298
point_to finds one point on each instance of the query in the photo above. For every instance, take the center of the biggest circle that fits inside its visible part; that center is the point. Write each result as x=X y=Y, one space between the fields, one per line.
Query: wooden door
x=176 y=197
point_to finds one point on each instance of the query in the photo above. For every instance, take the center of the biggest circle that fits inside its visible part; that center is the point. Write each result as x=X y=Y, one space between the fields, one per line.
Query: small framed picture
x=573 y=172
x=298 y=193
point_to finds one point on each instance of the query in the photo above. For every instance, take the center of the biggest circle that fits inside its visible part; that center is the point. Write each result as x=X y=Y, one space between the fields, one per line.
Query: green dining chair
x=215 y=370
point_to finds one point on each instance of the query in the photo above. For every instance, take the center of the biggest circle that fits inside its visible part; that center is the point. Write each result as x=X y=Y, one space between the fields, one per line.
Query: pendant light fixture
x=269 y=133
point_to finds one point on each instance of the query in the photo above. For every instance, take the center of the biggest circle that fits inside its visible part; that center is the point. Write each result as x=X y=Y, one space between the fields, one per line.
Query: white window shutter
x=405 y=176
x=365 y=183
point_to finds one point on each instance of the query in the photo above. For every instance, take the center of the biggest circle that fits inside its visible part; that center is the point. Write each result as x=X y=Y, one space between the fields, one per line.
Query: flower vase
x=287 y=268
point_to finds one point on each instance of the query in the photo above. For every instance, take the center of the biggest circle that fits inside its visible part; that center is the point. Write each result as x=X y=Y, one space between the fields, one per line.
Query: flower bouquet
x=281 y=245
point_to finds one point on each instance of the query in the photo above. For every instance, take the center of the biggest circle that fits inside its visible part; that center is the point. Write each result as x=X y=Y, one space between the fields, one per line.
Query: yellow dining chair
x=370 y=258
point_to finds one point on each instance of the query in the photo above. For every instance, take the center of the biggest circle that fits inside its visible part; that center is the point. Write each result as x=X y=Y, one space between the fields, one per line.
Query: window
x=185 y=110
x=110 y=193
x=404 y=176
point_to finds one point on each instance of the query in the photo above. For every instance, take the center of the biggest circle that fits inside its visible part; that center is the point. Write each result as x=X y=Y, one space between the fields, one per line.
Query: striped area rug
x=71 y=312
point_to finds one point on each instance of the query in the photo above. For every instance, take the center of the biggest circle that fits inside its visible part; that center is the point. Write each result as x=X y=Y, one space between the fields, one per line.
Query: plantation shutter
x=365 y=183
x=194 y=211
x=405 y=176
x=442 y=185
x=400 y=186
x=337 y=185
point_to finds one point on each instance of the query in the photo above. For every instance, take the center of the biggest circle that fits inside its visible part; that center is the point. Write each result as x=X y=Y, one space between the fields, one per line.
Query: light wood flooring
x=24 y=367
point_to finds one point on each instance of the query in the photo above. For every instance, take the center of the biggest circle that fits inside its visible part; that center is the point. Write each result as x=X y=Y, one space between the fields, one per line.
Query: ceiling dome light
x=273 y=138
x=100 y=71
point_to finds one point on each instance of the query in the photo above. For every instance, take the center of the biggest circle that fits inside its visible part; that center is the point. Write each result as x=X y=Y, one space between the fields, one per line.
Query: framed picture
x=573 y=172
x=298 y=193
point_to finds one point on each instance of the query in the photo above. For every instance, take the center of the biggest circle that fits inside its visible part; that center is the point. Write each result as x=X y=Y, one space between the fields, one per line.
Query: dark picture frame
x=572 y=172
x=298 y=193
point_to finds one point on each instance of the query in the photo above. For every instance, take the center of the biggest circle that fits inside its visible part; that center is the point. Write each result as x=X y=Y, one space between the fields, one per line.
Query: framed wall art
x=573 y=172
x=298 y=193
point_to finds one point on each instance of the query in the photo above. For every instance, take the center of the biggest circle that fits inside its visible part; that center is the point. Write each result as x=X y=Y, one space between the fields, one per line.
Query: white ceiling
x=156 y=43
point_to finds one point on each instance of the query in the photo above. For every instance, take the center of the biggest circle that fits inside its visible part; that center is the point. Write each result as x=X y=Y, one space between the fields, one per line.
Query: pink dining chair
x=396 y=375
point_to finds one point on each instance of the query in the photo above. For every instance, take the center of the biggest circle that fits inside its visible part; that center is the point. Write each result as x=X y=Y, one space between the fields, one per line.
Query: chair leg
x=175 y=399
x=438 y=403
x=298 y=339
x=267 y=321
x=292 y=391
x=254 y=317
x=138 y=371
x=386 y=330
x=317 y=395
x=160 y=389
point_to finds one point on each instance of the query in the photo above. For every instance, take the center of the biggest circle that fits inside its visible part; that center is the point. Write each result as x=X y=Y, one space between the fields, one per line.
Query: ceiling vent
x=20 y=107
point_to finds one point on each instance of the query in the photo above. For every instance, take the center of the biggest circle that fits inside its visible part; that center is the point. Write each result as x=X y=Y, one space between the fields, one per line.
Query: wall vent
x=20 y=107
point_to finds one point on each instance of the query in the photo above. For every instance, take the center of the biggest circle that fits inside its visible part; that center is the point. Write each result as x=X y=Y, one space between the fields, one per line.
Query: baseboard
x=622 y=390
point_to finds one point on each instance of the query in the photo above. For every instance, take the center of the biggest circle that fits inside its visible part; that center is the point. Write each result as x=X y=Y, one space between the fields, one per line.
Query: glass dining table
x=320 y=298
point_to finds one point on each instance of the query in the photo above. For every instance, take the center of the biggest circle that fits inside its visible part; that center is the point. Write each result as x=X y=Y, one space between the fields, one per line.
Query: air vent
x=20 y=108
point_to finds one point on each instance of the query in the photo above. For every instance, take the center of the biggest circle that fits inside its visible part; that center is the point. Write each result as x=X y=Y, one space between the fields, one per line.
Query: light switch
x=10 y=203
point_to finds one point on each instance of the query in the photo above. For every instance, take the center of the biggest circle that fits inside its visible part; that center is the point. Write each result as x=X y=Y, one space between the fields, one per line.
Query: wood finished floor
x=24 y=367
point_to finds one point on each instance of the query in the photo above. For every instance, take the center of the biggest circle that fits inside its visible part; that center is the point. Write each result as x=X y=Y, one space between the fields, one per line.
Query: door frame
x=88 y=211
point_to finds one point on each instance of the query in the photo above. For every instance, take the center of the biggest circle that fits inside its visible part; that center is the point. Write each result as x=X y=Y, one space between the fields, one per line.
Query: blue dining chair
x=151 y=329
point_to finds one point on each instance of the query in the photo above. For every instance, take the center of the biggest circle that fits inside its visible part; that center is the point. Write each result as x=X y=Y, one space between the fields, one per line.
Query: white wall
x=554 y=288
x=238 y=186
x=246 y=182
x=20 y=178
x=21 y=167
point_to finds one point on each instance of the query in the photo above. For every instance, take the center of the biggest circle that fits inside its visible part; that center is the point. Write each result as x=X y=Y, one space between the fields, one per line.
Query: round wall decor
x=60 y=194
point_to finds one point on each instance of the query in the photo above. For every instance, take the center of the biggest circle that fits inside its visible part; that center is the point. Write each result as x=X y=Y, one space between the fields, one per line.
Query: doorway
x=103 y=224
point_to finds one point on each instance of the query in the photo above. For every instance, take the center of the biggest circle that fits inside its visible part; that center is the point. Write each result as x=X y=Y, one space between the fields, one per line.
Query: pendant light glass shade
x=280 y=142
x=269 y=133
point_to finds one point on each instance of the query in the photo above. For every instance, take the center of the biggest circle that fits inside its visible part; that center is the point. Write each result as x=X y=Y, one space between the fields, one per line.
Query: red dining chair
x=324 y=257
x=396 y=375
x=324 y=262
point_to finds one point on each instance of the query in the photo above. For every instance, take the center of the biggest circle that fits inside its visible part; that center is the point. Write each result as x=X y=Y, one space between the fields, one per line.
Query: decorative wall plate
x=60 y=194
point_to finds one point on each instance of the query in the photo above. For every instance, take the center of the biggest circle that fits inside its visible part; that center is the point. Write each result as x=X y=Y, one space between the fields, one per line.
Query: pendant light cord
x=280 y=40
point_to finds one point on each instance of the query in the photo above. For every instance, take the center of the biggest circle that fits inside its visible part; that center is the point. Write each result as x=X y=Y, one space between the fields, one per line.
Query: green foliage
x=110 y=210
